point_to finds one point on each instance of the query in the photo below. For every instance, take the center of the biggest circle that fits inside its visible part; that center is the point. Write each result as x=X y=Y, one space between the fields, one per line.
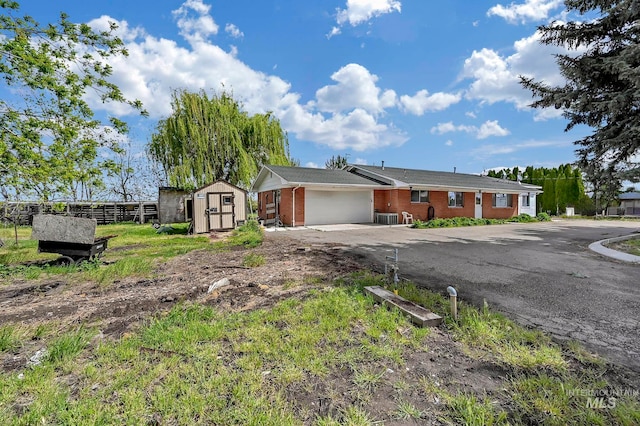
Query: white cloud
x=530 y=10
x=449 y=143
x=491 y=128
x=449 y=127
x=495 y=78
x=355 y=88
x=422 y=101
x=233 y=31
x=198 y=27
x=357 y=130
x=348 y=114
x=489 y=150
x=487 y=129
x=360 y=11
x=360 y=161
x=312 y=165
x=334 y=31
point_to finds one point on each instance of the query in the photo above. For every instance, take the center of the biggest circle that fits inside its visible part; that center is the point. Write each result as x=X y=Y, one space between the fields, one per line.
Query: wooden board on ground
x=418 y=314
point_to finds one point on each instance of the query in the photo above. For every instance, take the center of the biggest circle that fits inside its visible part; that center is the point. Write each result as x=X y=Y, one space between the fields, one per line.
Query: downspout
x=293 y=206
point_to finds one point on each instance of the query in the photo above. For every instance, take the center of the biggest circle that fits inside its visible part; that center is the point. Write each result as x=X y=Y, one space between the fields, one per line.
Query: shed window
x=227 y=200
x=502 y=200
x=525 y=200
x=456 y=199
x=419 y=196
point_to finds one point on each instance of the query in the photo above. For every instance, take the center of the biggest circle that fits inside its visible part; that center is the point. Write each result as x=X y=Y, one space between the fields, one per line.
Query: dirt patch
x=114 y=309
x=186 y=277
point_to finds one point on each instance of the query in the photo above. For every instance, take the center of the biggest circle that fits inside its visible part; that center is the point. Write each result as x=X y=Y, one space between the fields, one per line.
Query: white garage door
x=328 y=207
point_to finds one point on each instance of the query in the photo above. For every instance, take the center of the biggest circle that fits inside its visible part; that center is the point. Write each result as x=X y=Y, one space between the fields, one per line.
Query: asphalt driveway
x=540 y=274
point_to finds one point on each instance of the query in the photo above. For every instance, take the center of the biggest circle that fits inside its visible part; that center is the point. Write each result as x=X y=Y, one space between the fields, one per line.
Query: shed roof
x=219 y=181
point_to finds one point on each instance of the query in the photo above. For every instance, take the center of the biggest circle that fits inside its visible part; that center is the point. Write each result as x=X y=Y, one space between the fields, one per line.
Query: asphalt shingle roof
x=447 y=179
x=319 y=176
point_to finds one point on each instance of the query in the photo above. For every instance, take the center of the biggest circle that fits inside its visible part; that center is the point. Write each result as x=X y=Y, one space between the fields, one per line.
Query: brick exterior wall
x=400 y=200
x=394 y=201
x=285 y=207
x=490 y=212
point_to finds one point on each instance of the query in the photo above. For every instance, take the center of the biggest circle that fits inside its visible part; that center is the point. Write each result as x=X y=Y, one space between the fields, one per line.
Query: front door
x=478 y=205
x=221 y=208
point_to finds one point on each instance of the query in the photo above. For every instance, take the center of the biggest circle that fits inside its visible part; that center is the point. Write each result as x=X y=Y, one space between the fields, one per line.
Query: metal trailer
x=71 y=253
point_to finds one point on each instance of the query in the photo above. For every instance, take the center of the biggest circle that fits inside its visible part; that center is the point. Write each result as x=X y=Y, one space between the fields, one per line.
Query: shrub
x=469 y=221
x=543 y=217
x=522 y=218
x=248 y=235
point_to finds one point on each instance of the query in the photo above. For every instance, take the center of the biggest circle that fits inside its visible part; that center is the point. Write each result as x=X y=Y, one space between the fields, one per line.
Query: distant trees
x=49 y=136
x=602 y=87
x=336 y=162
x=563 y=186
x=207 y=138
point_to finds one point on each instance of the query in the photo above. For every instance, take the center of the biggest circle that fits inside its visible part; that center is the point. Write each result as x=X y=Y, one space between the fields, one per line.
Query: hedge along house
x=297 y=196
x=218 y=206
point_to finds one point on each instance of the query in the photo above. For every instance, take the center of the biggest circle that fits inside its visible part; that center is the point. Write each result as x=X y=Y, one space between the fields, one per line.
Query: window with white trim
x=525 y=200
x=419 y=196
x=456 y=199
x=502 y=200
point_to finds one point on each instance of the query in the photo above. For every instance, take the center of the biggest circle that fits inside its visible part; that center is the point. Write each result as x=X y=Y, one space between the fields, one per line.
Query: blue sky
x=418 y=84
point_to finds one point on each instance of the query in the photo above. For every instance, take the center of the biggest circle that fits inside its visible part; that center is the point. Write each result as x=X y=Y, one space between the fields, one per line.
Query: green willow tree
x=49 y=136
x=602 y=87
x=207 y=138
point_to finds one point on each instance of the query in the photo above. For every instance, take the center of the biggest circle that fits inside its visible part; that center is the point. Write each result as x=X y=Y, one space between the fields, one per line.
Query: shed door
x=221 y=208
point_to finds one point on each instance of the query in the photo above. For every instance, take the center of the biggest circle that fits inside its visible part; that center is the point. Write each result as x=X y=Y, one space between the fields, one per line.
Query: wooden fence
x=104 y=213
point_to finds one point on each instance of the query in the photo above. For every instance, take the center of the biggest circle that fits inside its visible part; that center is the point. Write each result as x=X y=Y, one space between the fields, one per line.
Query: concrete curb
x=599 y=248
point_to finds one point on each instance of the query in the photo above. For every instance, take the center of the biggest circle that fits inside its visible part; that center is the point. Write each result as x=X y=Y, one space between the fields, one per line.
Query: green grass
x=249 y=235
x=193 y=364
x=196 y=365
x=133 y=252
x=253 y=260
x=406 y=411
x=469 y=410
x=631 y=246
x=488 y=331
x=9 y=337
x=66 y=347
